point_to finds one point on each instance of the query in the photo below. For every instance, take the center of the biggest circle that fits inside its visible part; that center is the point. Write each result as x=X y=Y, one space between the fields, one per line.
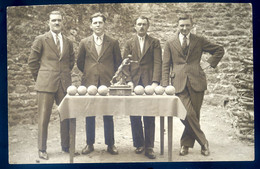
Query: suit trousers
x=192 y=101
x=140 y=139
x=45 y=102
x=108 y=130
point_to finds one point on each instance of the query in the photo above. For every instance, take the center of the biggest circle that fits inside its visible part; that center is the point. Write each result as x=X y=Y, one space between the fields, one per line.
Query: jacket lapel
x=136 y=47
x=147 y=44
x=193 y=42
x=92 y=47
x=105 y=45
x=177 y=44
x=50 y=41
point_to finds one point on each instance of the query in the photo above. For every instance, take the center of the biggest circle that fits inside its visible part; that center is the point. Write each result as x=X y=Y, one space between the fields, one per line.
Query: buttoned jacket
x=188 y=67
x=49 y=68
x=149 y=63
x=98 y=69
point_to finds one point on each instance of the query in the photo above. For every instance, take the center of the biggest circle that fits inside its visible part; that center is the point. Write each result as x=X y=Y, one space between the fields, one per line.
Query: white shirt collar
x=95 y=36
x=54 y=35
x=181 y=36
x=139 y=37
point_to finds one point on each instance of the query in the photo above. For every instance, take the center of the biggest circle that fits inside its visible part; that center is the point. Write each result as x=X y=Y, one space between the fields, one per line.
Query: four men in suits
x=51 y=61
x=98 y=59
x=182 y=55
x=147 y=51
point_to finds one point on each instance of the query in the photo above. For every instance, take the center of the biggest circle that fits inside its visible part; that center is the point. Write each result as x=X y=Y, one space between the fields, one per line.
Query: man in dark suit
x=183 y=55
x=147 y=51
x=51 y=62
x=98 y=59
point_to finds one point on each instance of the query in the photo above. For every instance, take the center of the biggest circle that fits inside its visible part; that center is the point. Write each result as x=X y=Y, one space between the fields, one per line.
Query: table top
x=144 y=105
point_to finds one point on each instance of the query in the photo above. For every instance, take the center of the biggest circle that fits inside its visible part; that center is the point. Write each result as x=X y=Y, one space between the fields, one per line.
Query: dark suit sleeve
x=35 y=57
x=157 y=67
x=81 y=56
x=127 y=51
x=215 y=50
x=166 y=64
x=72 y=56
x=117 y=56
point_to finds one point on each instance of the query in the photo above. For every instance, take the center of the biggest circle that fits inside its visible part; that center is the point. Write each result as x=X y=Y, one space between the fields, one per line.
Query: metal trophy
x=118 y=83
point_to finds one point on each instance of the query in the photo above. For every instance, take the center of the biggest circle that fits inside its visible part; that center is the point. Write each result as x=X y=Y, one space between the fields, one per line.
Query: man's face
x=55 y=23
x=141 y=27
x=185 y=26
x=98 y=25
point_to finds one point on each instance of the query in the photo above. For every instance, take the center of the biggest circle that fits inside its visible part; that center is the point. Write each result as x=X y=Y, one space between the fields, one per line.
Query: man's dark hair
x=142 y=17
x=56 y=12
x=184 y=17
x=98 y=14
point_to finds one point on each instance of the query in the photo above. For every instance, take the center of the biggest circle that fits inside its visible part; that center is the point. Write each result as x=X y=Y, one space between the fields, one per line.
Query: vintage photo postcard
x=130 y=83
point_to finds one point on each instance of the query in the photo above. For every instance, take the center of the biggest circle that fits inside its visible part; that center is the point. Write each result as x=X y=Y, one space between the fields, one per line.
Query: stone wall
x=227 y=24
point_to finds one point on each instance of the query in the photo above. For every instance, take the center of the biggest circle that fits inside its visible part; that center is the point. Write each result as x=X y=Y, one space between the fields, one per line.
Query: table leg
x=72 y=138
x=162 y=134
x=169 y=138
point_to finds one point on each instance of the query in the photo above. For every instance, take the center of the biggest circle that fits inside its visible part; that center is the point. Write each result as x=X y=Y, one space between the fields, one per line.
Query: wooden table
x=73 y=107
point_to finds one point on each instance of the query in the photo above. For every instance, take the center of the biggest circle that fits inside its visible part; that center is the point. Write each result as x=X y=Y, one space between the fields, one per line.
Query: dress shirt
x=181 y=36
x=141 y=42
x=98 y=42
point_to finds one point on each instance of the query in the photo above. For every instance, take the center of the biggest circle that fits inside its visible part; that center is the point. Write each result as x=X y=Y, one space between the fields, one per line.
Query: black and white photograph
x=130 y=83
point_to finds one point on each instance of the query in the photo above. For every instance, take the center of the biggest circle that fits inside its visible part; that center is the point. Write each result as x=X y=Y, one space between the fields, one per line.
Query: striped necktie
x=58 y=43
x=185 y=45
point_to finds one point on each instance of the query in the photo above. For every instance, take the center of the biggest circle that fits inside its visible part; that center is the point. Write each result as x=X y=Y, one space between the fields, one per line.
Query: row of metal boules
x=104 y=90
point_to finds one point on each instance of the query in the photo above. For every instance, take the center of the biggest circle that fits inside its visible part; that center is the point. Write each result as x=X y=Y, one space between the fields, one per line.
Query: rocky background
x=230 y=85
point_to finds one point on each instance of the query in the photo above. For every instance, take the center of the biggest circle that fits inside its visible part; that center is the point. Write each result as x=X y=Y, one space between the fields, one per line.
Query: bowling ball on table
x=149 y=90
x=170 y=90
x=82 y=90
x=102 y=90
x=159 y=90
x=139 y=90
x=72 y=90
x=92 y=90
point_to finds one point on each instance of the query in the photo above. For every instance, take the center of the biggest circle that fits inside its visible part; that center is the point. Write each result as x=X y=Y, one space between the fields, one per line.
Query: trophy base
x=120 y=90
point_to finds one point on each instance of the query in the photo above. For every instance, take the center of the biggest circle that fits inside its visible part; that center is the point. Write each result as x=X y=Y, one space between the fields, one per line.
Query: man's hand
x=131 y=84
x=205 y=65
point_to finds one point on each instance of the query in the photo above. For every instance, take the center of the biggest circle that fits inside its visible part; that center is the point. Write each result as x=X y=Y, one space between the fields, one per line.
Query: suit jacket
x=48 y=68
x=98 y=69
x=188 y=67
x=149 y=64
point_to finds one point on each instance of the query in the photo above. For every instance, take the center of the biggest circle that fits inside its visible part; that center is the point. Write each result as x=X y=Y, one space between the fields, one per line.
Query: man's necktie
x=98 y=45
x=58 y=43
x=185 y=45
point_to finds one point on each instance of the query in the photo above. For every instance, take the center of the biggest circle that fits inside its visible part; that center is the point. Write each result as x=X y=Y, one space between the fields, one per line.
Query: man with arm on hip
x=183 y=55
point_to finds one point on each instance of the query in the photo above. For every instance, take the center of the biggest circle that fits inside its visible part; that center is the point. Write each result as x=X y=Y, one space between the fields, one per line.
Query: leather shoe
x=112 y=150
x=67 y=150
x=184 y=150
x=88 y=149
x=205 y=149
x=139 y=150
x=150 y=153
x=43 y=155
